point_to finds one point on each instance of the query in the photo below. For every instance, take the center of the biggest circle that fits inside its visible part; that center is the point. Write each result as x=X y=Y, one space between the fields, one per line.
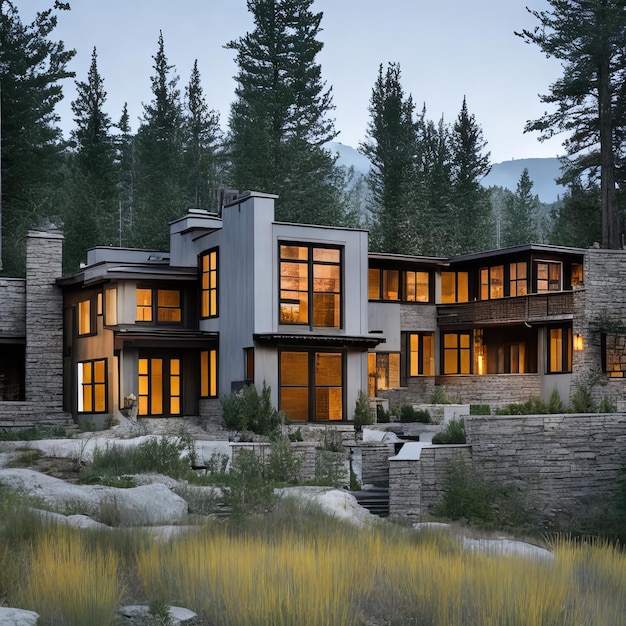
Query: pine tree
x=588 y=37
x=160 y=194
x=32 y=66
x=91 y=213
x=202 y=136
x=473 y=220
x=125 y=160
x=519 y=225
x=279 y=121
x=390 y=146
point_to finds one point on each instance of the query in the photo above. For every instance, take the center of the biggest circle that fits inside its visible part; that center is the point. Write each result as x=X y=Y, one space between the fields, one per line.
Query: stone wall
x=12 y=308
x=375 y=463
x=565 y=467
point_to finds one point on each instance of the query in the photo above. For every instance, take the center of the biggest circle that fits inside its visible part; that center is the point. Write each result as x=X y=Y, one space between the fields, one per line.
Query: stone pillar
x=44 y=320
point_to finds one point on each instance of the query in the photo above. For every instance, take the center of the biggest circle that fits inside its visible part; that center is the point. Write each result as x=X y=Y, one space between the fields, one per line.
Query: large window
x=559 y=350
x=208 y=373
x=548 y=274
x=492 y=282
x=160 y=304
x=457 y=353
x=518 y=279
x=393 y=285
x=383 y=371
x=310 y=285
x=454 y=287
x=92 y=387
x=209 y=299
x=160 y=386
x=614 y=354
x=420 y=350
x=311 y=384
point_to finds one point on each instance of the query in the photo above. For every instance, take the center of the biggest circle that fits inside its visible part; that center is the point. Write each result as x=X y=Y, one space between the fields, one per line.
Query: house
x=306 y=310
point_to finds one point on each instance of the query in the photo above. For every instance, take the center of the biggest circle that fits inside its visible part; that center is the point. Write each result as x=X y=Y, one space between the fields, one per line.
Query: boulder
x=139 y=615
x=17 y=617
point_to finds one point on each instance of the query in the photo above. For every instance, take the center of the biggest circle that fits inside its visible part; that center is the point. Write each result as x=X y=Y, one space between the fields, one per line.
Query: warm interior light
x=579 y=343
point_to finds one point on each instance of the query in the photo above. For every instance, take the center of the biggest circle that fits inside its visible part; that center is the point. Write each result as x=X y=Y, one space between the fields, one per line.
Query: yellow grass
x=68 y=584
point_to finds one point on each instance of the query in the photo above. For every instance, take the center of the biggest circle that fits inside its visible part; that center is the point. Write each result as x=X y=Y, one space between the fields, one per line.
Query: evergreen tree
x=125 y=159
x=588 y=37
x=202 y=134
x=519 y=225
x=160 y=191
x=472 y=221
x=31 y=68
x=91 y=212
x=390 y=147
x=278 y=122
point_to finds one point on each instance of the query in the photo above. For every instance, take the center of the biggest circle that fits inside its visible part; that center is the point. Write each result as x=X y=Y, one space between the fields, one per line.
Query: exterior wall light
x=579 y=343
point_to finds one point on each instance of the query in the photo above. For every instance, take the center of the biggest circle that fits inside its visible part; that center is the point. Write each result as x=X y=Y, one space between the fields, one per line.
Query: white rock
x=17 y=617
x=179 y=614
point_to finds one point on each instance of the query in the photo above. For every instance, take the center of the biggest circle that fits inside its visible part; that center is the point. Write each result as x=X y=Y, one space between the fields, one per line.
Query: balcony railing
x=542 y=307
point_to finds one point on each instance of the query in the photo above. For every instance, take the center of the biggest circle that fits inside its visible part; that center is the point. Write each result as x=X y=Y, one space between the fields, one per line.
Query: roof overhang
x=149 y=337
x=327 y=341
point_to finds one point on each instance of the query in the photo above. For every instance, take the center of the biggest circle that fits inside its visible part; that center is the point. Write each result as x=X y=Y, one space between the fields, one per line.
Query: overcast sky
x=447 y=49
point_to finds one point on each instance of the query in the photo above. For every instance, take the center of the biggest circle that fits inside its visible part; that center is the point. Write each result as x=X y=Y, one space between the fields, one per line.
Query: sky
x=447 y=50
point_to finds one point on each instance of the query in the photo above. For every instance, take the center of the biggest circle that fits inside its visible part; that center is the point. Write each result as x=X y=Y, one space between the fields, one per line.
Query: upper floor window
x=577 y=274
x=394 y=285
x=310 y=285
x=518 y=279
x=110 y=306
x=454 y=287
x=492 y=282
x=548 y=275
x=160 y=304
x=84 y=317
x=209 y=284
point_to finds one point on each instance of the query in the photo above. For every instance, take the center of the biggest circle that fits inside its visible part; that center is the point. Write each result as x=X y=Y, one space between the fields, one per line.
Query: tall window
x=457 y=353
x=160 y=304
x=383 y=371
x=208 y=373
x=310 y=285
x=560 y=350
x=492 y=282
x=518 y=279
x=84 y=317
x=92 y=396
x=416 y=287
x=548 y=276
x=420 y=349
x=454 y=287
x=159 y=386
x=209 y=284
x=110 y=306
x=311 y=383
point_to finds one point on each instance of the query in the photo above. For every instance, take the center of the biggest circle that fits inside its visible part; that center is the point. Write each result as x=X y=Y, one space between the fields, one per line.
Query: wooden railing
x=532 y=308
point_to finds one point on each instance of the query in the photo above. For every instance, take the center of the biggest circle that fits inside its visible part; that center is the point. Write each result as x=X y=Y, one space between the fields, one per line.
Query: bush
x=582 y=399
x=246 y=410
x=382 y=416
x=283 y=464
x=407 y=413
x=480 y=409
x=33 y=434
x=363 y=411
x=534 y=406
x=454 y=432
x=555 y=404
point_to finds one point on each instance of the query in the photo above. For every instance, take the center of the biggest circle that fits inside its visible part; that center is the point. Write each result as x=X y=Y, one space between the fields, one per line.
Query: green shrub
x=607 y=405
x=363 y=411
x=33 y=434
x=582 y=398
x=555 y=404
x=480 y=409
x=283 y=464
x=247 y=410
x=330 y=440
x=295 y=435
x=382 y=416
x=329 y=468
x=407 y=413
x=453 y=432
x=534 y=406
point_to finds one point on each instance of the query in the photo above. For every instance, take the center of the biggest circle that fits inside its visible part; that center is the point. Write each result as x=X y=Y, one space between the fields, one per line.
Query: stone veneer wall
x=43 y=316
x=564 y=466
x=12 y=308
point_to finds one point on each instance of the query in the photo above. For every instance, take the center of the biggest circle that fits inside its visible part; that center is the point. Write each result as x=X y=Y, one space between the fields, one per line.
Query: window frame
x=92 y=385
x=463 y=353
x=380 y=282
x=456 y=297
x=155 y=306
x=307 y=303
x=209 y=289
x=418 y=337
x=549 y=263
x=89 y=316
x=209 y=373
x=559 y=363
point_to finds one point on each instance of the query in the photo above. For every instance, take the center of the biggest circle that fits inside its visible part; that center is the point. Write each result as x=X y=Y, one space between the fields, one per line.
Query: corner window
x=84 y=317
x=559 y=350
x=548 y=275
x=209 y=299
x=454 y=287
x=518 y=279
x=164 y=305
x=310 y=285
x=457 y=353
x=208 y=373
x=92 y=393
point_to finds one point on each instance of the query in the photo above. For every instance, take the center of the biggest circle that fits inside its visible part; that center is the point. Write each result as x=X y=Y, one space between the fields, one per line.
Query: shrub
x=330 y=440
x=453 y=432
x=382 y=416
x=607 y=405
x=33 y=434
x=363 y=411
x=480 y=409
x=247 y=410
x=555 y=404
x=407 y=413
x=329 y=468
x=582 y=398
x=283 y=464
x=534 y=406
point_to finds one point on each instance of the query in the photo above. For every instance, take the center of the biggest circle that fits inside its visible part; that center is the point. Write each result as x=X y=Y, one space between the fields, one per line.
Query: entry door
x=159 y=386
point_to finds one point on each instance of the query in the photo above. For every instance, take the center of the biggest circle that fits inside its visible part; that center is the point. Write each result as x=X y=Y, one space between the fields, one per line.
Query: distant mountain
x=543 y=172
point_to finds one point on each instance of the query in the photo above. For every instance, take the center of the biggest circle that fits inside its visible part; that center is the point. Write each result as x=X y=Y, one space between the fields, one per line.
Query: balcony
x=541 y=307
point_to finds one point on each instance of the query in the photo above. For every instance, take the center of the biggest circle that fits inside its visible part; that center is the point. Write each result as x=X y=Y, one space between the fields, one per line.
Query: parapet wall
x=565 y=467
